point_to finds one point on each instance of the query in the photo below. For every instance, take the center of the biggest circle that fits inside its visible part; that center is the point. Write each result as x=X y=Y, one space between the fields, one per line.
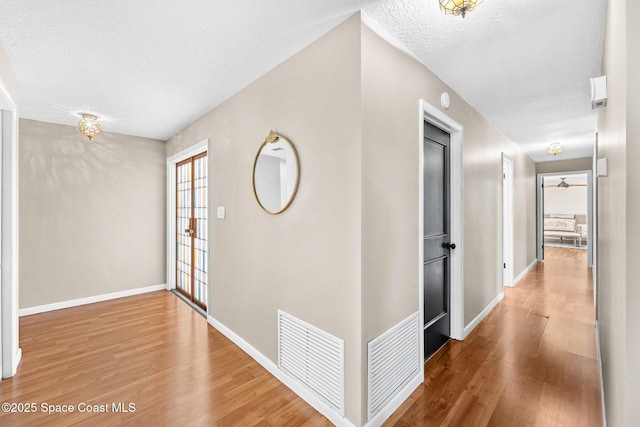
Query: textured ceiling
x=524 y=64
x=149 y=68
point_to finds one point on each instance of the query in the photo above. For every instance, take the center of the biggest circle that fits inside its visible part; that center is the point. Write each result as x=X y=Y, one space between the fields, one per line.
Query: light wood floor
x=151 y=350
x=532 y=361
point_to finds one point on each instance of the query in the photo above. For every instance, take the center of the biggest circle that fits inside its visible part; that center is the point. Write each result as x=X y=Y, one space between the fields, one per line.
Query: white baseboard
x=266 y=363
x=524 y=272
x=604 y=414
x=89 y=300
x=395 y=403
x=15 y=361
x=476 y=321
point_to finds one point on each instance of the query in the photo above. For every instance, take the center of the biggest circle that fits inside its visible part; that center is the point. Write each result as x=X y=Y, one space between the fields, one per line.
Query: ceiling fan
x=564 y=184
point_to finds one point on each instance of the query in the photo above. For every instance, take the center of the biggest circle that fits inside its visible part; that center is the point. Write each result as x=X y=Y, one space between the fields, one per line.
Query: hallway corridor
x=532 y=362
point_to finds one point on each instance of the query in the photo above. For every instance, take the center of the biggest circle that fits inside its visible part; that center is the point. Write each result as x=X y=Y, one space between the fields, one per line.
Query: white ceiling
x=151 y=67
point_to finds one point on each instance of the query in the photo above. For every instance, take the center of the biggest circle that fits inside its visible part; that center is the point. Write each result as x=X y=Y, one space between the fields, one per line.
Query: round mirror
x=276 y=173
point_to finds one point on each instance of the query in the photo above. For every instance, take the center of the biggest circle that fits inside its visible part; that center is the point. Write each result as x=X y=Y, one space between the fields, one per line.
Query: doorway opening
x=188 y=226
x=565 y=212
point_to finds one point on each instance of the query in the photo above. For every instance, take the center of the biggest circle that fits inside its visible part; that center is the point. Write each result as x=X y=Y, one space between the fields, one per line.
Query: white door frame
x=539 y=217
x=172 y=161
x=431 y=114
x=590 y=211
x=11 y=352
x=507 y=222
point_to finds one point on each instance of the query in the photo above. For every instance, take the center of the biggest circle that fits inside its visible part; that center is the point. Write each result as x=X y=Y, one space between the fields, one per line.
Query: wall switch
x=221 y=212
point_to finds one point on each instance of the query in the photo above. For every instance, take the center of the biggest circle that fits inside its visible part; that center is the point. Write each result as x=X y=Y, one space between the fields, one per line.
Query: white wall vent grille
x=393 y=360
x=313 y=357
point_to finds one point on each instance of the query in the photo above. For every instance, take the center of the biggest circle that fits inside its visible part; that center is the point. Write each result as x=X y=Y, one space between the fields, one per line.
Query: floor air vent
x=394 y=359
x=313 y=357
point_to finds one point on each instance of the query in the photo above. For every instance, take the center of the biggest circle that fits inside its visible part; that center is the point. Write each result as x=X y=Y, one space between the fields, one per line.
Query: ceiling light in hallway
x=555 y=148
x=458 y=7
x=89 y=126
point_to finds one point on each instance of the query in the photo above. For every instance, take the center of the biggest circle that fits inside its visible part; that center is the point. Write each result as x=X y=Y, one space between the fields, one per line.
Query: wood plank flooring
x=150 y=350
x=531 y=362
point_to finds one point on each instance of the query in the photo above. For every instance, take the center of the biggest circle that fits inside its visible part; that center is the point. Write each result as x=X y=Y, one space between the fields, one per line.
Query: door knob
x=191 y=230
x=449 y=245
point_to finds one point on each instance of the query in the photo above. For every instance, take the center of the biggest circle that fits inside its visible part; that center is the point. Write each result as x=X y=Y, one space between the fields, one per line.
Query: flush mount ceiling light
x=89 y=126
x=555 y=148
x=458 y=7
x=563 y=184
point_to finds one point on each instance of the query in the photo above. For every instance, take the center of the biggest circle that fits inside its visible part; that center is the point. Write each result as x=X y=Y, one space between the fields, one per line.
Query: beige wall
x=633 y=210
x=570 y=165
x=92 y=214
x=618 y=296
x=305 y=261
x=524 y=211
x=572 y=200
x=344 y=257
x=393 y=84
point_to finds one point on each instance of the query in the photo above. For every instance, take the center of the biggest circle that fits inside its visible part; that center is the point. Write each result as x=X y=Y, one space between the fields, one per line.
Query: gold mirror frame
x=270 y=139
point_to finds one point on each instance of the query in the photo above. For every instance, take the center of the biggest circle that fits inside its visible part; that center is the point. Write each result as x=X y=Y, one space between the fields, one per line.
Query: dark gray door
x=437 y=243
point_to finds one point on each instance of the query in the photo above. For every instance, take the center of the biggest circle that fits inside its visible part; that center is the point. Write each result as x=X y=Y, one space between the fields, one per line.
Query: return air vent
x=394 y=359
x=313 y=357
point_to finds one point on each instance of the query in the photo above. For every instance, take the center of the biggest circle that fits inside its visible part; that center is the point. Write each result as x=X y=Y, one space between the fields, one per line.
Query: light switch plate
x=221 y=212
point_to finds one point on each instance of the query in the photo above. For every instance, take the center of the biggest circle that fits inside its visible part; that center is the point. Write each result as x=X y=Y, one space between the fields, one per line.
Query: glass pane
x=183 y=215
x=200 y=203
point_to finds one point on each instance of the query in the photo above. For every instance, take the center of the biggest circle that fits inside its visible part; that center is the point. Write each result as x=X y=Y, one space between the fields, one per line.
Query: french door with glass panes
x=192 y=229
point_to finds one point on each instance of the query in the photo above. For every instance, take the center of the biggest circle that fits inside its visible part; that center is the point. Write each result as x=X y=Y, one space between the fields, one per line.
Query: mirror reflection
x=275 y=174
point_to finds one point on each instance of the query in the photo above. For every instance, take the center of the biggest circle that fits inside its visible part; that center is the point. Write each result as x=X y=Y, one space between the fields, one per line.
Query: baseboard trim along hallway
x=484 y=313
x=533 y=360
x=147 y=359
x=285 y=379
x=525 y=272
x=604 y=413
x=89 y=300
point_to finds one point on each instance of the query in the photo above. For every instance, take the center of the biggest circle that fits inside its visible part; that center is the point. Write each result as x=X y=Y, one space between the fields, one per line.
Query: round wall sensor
x=444 y=100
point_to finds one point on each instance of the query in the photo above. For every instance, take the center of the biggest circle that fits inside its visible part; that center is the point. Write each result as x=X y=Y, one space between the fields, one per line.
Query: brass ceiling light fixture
x=555 y=148
x=89 y=126
x=458 y=7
